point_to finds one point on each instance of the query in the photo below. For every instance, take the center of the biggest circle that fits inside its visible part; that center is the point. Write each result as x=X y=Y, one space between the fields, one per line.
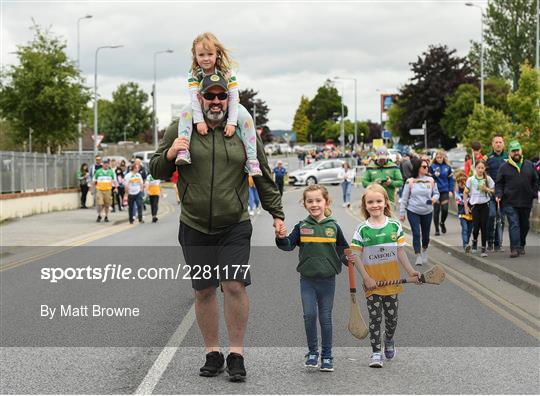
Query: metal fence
x=29 y=172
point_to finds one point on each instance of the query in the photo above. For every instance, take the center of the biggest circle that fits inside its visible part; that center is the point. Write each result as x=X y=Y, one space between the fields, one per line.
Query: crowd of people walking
x=119 y=185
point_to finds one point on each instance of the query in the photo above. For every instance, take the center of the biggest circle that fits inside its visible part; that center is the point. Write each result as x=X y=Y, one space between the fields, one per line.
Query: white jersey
x=134 y=183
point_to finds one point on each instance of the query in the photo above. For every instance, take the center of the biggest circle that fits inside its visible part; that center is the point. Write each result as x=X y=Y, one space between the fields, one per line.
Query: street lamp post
x=342 y=127
x=79 y=67
x=537 y=32
x=469 y=4
x=95 y=94
x=355 y=108
x=154 y=94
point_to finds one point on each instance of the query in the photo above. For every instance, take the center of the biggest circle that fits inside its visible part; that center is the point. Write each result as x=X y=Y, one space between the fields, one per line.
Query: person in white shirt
x=135 y=187
x=478 y=191
x=347 y=175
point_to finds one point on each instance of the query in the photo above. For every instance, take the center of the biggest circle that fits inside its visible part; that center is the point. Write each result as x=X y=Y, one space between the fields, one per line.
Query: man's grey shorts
x=216 y=258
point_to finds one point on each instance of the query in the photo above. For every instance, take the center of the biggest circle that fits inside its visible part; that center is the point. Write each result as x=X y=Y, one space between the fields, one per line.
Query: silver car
x=318 y=172
x=456 y=157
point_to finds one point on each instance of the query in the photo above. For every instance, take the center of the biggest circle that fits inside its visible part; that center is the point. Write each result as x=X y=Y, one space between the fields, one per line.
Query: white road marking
x=162 y=362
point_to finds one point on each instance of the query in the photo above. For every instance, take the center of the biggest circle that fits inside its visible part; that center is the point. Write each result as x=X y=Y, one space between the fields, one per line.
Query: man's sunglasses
x=212 y=96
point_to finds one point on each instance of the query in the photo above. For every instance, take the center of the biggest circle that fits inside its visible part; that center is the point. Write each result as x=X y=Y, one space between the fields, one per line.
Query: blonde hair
x=375 y=188
x=325 y=194
x=224 y=63
x=444 y=159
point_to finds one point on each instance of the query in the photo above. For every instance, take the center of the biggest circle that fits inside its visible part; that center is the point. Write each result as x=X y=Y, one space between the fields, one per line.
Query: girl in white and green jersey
x=377 y=245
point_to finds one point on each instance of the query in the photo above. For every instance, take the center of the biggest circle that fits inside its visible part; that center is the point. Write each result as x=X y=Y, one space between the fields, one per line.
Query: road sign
x=99 y=139
x=350 y=137
x=416 y=132
x=386 y=134
x=395 y=139
x=377 y=143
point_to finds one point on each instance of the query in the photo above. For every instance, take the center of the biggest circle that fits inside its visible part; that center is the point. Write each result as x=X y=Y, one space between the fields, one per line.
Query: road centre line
x=161 y=363
x=155 y=373
x=476 y=294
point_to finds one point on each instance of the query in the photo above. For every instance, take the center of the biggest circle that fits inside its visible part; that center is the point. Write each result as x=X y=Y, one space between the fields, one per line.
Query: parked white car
x=284 y=148
x=271 y=148
x=144 y=156
x=319 y=172
x=392 y=154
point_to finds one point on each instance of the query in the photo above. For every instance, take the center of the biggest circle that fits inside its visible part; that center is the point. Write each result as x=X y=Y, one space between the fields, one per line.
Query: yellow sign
x=377 y=143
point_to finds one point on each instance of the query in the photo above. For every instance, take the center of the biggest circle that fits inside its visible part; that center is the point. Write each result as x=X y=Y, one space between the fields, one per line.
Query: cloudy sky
x=284 y=49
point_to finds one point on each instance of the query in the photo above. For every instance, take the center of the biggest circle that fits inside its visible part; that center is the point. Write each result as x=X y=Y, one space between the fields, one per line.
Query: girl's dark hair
x=83 y=166
x=416 y=164
x=481 y=162
x=476 y=146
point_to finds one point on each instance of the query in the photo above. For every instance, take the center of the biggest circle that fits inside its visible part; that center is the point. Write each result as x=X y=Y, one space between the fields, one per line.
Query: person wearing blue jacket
x=443 y=175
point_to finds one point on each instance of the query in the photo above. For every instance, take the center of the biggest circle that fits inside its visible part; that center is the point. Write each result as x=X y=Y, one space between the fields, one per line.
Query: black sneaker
x=437 y=233
x=490 y=247
x=215 y=364
x=141 y=221
x=98 y=220
x=154 y=219
x=235 y=367
x=443 y=228
x=106 y=219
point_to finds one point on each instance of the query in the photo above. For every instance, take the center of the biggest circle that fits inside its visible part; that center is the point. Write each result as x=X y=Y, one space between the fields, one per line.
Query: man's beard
x=213 y=116
x=516 y=158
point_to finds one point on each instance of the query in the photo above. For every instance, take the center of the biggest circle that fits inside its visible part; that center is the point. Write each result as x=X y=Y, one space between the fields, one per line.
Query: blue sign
x=386 y=134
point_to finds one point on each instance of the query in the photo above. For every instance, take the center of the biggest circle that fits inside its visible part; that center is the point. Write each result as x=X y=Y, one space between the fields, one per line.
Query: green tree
x=395 y=114
x=483 y=123
x=492 y=68
x=127 y=113
x=8 y=138
x=44 y=92
x=332 y=130
x=248 y=100
x=301 y=121
x=496 y=92
x=459 y=106
x=104 y=109
x=510 y=35
x=524 y=105
x=325 y=106
x=363 y=131
x=436 y=75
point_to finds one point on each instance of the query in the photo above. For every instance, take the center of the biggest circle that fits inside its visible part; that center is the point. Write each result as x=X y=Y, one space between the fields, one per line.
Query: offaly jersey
x=134 y=183
x=377 y=247
x=104 y=179
x=153 y=185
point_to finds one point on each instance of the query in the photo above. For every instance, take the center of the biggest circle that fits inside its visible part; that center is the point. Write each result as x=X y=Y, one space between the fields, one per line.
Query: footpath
x=523 y=271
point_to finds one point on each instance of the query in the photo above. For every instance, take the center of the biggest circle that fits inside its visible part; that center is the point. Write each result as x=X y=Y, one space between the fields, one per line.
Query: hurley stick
x=434 y=276
x=357 y=327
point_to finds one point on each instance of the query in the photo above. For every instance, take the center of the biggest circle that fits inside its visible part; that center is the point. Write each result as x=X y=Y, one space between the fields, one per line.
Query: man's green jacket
x=213 y=189
x=376 y=173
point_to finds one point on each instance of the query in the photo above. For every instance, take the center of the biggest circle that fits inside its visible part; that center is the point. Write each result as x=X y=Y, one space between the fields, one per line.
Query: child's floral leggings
x=376 y=304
